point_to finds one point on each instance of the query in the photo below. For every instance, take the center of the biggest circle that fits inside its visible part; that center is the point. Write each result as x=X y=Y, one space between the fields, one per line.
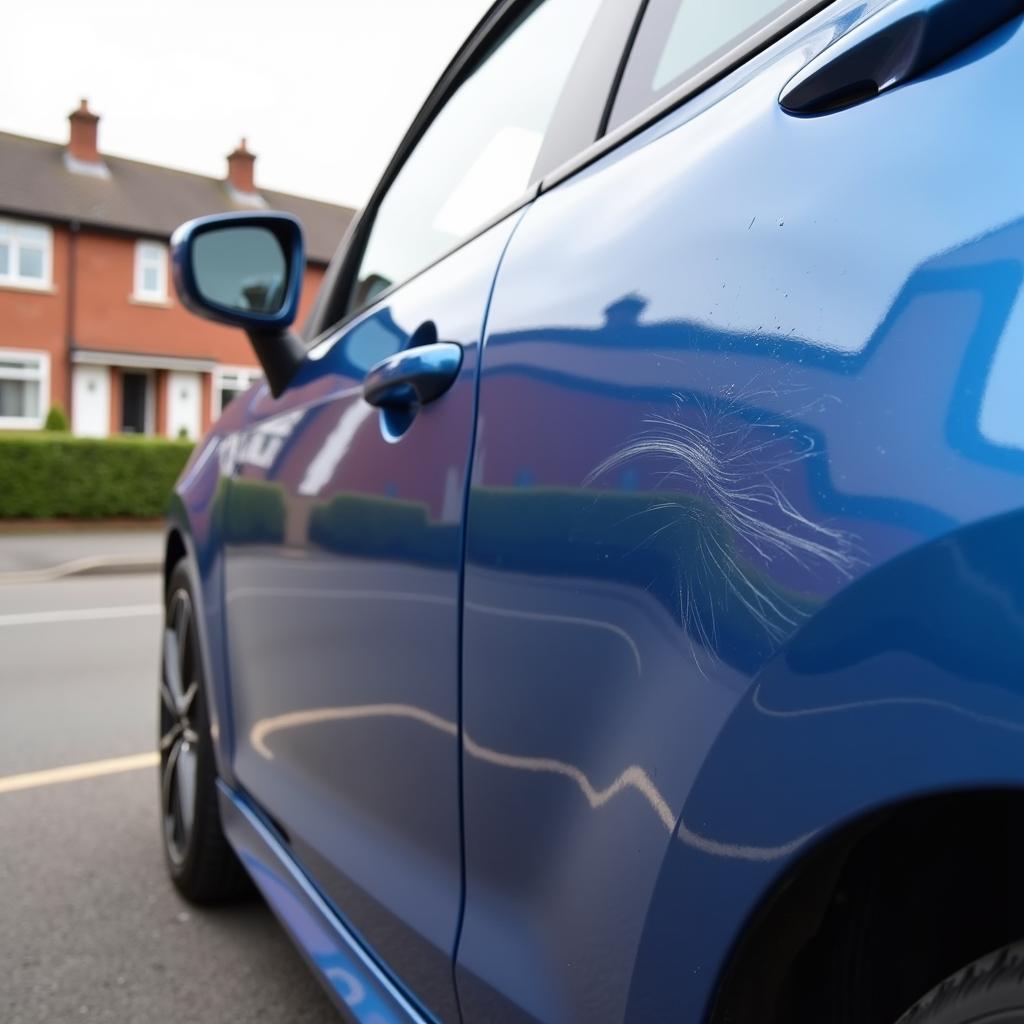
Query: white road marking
x=74 y=772
x=80 y=614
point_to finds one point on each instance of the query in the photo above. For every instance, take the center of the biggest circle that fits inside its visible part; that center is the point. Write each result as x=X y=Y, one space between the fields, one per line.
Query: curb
x=95 y=565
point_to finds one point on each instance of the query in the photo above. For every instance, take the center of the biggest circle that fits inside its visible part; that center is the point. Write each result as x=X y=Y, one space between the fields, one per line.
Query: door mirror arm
x=245 y=270
x=280 y=353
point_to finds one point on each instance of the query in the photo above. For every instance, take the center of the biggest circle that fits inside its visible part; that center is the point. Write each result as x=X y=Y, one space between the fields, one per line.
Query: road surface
x=90 y=928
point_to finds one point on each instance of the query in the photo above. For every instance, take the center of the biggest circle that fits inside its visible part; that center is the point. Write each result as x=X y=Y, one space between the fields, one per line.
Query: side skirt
x=353 y=979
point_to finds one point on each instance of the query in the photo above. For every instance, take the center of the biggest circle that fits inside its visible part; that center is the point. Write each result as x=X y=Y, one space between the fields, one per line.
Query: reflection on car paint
x=850 y=330
x=351 y=977
x=744 y=550
x=632 y=778
x=330 y=530
x=345 y=976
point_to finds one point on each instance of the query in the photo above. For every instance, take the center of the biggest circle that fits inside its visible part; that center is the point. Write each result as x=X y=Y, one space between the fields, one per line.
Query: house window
x=150 y=272
x=24 y=388
x=26 y=254
x=229 y=383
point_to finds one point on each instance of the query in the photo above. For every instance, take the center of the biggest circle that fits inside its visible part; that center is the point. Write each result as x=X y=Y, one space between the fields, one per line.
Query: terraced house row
x=88 y=319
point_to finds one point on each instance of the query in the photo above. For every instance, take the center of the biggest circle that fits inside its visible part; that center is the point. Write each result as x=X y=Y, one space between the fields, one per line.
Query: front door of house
x=184 y=392
x=90 y=401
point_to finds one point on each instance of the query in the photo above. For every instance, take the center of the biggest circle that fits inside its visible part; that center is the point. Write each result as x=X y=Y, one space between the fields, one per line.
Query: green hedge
x=255 y=512
x=677 y=547
x=45 y=476
x=377 y=527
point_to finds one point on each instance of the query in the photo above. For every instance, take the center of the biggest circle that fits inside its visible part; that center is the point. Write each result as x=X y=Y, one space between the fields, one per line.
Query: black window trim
x=620 y=68
x=789 y=19
x=329 y=315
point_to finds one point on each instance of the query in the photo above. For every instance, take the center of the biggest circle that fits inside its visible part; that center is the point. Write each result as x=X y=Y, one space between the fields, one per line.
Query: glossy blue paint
x=342 y=554
x=414 y=377
x=354 y=981
x=743 y=552
x=741 y=555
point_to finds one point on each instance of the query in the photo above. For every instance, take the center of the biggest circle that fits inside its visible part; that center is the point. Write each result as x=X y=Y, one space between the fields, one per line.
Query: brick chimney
x=83 y=145
x=241 y=170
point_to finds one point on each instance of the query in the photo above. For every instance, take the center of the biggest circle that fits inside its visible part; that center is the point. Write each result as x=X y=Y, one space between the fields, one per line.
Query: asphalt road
x=90 y=928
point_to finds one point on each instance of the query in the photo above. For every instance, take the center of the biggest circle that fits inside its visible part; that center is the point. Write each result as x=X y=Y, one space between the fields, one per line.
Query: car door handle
x=901 y=42
x=414 y=376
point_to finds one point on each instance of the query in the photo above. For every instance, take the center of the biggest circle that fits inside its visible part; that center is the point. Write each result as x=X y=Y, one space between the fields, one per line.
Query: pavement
x=38 y=552
x=90 y=928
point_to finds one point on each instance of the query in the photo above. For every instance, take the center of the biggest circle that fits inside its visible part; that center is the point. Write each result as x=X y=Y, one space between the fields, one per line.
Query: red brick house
x=88 y=318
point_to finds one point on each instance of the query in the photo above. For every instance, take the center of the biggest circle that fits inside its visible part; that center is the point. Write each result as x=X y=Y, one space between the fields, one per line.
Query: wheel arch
x=881 y=911
x=174 y=552
x=895 y=713
x=193 y=534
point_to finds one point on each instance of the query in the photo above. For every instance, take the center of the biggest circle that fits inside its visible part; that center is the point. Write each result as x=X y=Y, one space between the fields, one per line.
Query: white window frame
x=40 y=373
x=150 y=255
x=238 y=378
x=12 y=233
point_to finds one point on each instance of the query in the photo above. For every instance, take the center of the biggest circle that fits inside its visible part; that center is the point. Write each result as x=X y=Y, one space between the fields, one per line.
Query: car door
x=721 y=380
x=343 y=519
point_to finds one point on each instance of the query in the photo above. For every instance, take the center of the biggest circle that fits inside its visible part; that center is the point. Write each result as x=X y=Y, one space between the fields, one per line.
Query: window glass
x=30 y=263
x=679 y=38
x=150 y=271
x=479 y=152
x=22 y=376
x=24 y=254
x=32 y=234
x=19 y=399
x=227 y=396
x=230 y=383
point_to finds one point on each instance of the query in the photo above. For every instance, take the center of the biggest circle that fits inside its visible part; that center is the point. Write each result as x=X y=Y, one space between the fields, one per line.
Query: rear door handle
x=899 y=43
x=414 y=376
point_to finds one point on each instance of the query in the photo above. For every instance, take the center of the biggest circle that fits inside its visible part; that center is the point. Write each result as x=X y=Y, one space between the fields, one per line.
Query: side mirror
x=245 y=270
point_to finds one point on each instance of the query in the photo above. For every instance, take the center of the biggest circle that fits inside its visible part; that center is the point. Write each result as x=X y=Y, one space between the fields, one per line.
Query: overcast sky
x=323 y=89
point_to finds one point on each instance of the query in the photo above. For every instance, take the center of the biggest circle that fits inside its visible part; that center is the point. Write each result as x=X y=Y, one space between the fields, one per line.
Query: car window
x=478 y=154
x=679 y=38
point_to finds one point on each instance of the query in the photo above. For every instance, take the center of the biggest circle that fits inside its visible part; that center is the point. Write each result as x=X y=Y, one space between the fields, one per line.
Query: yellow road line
x=74 y=772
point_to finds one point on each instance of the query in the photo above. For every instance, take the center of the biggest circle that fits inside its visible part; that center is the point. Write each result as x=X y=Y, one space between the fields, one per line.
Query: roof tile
x=145 y=199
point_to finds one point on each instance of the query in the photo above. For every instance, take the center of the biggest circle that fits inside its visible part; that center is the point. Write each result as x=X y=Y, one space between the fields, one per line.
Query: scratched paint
x=743 y=524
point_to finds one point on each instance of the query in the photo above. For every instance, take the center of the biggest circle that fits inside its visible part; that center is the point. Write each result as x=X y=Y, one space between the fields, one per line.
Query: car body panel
x=354 y=981
x=195 y=532
x=743 y=555
x=343 y=543
x=741 y=563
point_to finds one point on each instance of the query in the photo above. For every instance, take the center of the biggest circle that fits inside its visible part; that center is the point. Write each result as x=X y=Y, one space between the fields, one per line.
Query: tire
x=989 y=991
x=200 y=862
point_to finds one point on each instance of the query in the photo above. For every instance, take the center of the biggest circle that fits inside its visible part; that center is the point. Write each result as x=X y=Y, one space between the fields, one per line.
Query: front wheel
x=199 y=859
x=989 y=991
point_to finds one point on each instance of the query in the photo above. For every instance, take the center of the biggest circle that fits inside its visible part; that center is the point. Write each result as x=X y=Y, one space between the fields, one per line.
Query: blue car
x=610 y=607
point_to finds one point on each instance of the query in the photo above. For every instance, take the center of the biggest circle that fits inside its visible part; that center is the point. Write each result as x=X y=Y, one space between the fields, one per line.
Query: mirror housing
x=264 y=286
